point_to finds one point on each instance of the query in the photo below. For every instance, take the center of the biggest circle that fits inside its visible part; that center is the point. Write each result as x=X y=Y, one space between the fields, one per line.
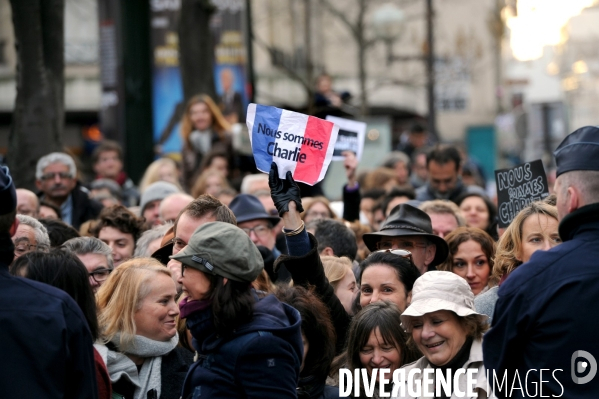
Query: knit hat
x=157 y=191
x=439 y=290
x=8 y=194
x=222 y=249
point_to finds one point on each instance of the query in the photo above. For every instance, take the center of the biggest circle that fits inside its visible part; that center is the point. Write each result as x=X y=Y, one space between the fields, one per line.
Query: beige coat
x=475 y=360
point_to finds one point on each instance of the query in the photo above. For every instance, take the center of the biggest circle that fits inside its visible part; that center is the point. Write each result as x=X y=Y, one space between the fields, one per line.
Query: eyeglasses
x=100 y=275
x=318 y=215
x=178 y=244
x=407 y=245
x=52 y=175
x=260 y=231
x=398 y=252
x=183 y=267
x=23 y=247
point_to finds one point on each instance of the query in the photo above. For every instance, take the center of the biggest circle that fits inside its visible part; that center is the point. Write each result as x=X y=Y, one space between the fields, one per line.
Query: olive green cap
x=222 y=249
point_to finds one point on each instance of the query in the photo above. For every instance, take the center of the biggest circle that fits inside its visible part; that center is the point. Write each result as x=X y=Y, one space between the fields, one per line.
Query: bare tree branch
x=290 y=72
x=342 y=17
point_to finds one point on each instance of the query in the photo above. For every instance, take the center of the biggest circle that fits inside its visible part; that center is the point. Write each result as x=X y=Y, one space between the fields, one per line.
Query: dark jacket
x=425 y=193
x=173 y=369
x=351 y=203
x=547 y=311
x=84 y=208
x=260 y=360
x=308 y=270
x=46 y=347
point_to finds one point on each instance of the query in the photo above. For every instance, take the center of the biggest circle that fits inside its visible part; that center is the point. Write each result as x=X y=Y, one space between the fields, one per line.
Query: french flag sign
x=296 y=142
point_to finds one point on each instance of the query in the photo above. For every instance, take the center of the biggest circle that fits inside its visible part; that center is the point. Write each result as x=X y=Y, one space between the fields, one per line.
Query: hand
x=283 y=192
x=350 y=164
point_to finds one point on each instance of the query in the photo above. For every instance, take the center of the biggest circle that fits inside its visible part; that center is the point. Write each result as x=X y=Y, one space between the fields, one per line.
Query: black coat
x=84 y=208
x=547 y=312
x=308 y=270
x=46 y=347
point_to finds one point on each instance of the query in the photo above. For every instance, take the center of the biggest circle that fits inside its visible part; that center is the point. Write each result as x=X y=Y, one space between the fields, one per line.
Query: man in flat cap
x=545 y=321
x=45 y=342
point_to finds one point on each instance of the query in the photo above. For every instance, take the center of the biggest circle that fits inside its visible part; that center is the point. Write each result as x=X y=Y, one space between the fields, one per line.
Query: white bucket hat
x=439 y=290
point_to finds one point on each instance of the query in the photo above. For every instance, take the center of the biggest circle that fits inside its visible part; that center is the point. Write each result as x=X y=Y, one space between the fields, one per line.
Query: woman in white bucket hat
x=445 y=327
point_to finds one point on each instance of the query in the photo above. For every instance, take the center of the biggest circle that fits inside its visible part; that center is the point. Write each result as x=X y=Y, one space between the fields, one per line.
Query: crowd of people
x=203 y=282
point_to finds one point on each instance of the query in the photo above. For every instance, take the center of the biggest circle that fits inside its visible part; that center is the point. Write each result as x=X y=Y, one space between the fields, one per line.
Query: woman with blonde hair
x=533 y=229
x=209 y=182
x=162 y=169
x=341 y=277
x=203 y=129
x=137 y=315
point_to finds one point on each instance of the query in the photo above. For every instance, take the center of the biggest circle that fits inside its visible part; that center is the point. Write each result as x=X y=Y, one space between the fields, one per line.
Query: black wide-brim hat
x=406 y=220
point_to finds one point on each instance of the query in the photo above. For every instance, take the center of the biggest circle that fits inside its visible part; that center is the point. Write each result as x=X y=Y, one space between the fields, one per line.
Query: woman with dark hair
x=318 y=337
x=376 y=340
x=471 y=254
x=479 y=211
x=247 y=346
x=387 y=275
x=203 y=129
x=62 y=269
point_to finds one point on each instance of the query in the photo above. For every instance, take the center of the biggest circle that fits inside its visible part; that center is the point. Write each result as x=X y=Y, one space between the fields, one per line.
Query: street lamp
x=388 y=23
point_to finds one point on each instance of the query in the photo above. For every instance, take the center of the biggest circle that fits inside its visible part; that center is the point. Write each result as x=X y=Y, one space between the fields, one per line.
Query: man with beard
x=56 y=179
x=444 y=166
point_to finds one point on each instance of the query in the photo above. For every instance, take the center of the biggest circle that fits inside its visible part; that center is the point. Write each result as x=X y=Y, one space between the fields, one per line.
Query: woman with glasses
x=137 y=315
x=62 y=269
x=95 y=255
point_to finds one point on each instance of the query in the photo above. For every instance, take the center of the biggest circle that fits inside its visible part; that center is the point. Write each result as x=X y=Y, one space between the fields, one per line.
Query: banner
x=298 y=143
x=167 y=92
x=228 y=27
x=351 y=137
x=517 y=187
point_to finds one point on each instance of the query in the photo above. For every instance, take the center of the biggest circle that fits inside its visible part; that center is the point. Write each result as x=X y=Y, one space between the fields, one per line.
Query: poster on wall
x=167 y=91
x=228 y=27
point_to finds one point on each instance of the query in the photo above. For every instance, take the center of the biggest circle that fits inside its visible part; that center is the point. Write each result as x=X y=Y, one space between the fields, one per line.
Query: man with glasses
x=203 y=209
x=259 y=225
x=56 y=179
x=95 y=255
x=410 y=228
x=31 y=235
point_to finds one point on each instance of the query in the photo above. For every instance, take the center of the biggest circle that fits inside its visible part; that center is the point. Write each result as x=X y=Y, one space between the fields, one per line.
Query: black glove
x=283 y=191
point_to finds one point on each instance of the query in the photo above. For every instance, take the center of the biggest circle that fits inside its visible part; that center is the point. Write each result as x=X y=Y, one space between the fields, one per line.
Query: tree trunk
x=196 y=48
x=38 y=118
x=360 y=40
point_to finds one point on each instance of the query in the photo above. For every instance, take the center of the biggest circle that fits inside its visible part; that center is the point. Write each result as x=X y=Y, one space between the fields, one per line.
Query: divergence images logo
x=580 y=366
